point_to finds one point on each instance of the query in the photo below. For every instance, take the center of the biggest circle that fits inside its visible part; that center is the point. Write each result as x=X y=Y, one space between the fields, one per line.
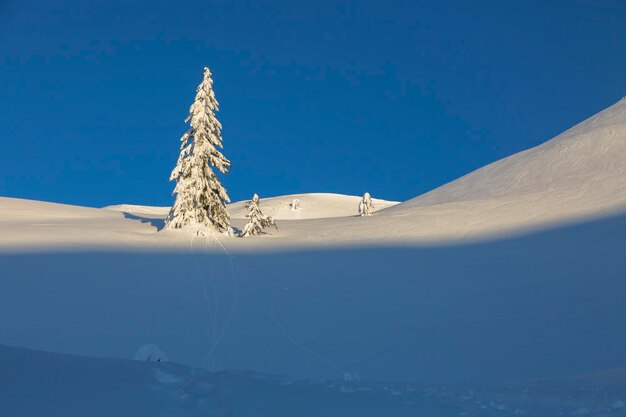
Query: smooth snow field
x=500 y=293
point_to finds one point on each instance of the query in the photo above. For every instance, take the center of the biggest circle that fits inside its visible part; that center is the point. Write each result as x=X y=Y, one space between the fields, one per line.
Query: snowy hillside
x=491 y=311
x=513 y=272
x=579 y=173
x=577 y=176
x=311 y=206
x=40 y=384
x=37 y=224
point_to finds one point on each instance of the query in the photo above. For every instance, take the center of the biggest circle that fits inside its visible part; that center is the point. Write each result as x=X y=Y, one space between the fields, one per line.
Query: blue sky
x=394 y=98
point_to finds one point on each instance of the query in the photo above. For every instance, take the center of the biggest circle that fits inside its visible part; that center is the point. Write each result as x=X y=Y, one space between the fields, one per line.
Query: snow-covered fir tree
x=200 y=197
x=257 y=221
x=366 y=206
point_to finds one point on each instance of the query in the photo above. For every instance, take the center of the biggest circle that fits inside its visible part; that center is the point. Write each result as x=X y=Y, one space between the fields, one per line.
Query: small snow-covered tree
x=200 y=197
x=257 y=220
x=366 y=206
x=295 y=204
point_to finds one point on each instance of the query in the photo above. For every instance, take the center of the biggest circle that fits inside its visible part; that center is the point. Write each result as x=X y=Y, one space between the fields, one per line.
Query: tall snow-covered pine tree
x=257 y=220
x=366 y=206
x=200 y=197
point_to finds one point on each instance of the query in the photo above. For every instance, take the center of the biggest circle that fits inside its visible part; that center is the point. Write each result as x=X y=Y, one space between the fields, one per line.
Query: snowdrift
x=39 y=384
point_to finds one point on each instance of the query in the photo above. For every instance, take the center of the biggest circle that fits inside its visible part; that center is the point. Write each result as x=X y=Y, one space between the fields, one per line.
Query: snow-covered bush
x=257 y=221
x=150 y=353
x=366 y=206
x=200 y=197
x=295 y=204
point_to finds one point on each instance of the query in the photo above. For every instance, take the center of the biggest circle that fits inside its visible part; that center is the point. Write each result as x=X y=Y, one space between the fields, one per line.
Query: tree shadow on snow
x=155 y=222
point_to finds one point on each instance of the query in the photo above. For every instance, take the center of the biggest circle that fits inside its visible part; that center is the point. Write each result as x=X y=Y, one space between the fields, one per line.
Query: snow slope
x=38 y=225
x=577 y=176
x=28 y=224
x=40 y=384
x=579 y=173
x=542 y=305
x=312 y=206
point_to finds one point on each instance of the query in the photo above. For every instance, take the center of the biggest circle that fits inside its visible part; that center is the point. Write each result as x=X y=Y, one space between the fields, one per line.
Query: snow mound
x=581 y=171
x=137 y=209
x=28 y=223
x=311 y=206
x=150 y=353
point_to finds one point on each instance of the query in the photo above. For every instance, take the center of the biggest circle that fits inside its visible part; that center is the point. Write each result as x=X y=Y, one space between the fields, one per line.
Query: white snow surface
x=312 y=206
x=157 y=212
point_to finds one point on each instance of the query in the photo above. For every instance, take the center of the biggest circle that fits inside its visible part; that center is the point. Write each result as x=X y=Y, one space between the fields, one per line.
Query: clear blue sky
x=390 y=97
